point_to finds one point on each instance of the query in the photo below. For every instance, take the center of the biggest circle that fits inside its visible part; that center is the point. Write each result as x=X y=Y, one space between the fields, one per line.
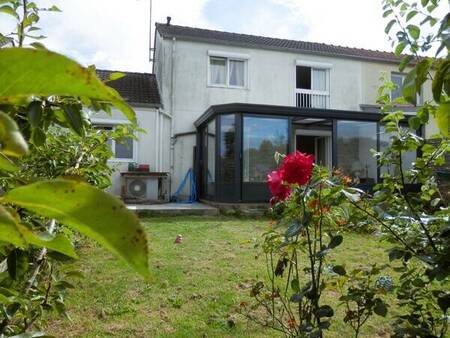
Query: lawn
x=196 y=287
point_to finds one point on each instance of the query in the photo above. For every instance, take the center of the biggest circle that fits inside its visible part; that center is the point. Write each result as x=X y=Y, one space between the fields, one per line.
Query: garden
x=329 y=260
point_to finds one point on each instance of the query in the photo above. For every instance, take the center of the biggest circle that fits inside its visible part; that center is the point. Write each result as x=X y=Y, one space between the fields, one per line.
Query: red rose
x=297 y=168
x=279 y=190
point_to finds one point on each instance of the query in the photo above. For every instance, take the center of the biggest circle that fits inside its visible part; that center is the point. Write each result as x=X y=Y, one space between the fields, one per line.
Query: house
x=140 y=90
x=228 y=102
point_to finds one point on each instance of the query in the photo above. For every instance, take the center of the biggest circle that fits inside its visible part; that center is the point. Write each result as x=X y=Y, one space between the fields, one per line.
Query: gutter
x=172 y=105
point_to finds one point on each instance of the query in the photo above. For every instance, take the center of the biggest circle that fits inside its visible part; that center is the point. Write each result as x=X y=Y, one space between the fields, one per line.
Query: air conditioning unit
x=145 y=187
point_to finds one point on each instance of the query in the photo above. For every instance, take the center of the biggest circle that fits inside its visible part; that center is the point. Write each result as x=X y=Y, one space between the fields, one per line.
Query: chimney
x=168 y=20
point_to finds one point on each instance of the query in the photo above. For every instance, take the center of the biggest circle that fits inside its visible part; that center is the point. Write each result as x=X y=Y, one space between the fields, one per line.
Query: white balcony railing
x=306 y=98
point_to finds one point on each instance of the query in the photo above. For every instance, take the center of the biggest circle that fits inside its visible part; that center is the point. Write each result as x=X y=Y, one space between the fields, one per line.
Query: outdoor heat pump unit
x=145 y=187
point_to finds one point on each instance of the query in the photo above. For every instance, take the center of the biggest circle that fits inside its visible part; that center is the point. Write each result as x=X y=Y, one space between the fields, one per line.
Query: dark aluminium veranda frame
x=258 y=194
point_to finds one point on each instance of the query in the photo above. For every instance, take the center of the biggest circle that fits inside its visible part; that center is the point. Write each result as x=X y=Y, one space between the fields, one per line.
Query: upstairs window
x=312 y=78
x=312 y=85
x=398 y=79
x=227 y=71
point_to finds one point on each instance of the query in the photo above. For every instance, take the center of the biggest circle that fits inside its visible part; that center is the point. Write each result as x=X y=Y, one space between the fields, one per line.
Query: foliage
x=414 y=28
x=49 y=153
x=362 y=295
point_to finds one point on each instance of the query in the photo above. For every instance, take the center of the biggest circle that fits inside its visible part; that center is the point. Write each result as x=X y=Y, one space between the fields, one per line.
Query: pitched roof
x=254 y=41
x=135 y=88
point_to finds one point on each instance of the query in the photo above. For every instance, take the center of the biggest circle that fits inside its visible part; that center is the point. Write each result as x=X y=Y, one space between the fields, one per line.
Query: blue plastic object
x=192 y=191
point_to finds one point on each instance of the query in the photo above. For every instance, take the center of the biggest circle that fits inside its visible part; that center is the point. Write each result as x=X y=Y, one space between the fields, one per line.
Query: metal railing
x=306 y=98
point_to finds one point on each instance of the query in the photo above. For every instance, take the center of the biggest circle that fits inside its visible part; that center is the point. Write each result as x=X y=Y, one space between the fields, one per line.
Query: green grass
x=196 y=288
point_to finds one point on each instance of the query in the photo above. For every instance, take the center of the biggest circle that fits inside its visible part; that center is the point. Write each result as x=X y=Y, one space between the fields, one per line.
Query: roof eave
x=274 y=48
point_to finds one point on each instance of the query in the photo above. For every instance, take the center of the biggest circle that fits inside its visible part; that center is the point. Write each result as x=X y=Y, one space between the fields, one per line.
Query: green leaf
x=414 y=122
x=116 y=76
x=11 y=140
x=9 y=10
x=58 y=243
x=442 y=118
x=35 y=113
x=38 y=137
x=295 y=285
x=387 y=13
x=404 y=62
x=72 y=113
x=9 y=230
x=411 y=15
x=68 y=78
x=422 y=71
x=325 y=311
x=6 y=164
x=54 y=9
x=335 y=241
x=380 y=309
x=413 y=31
x=38 y=45
x=400 y=47
x=293 y=230
x=17 y=262
x=396 y=254
x=389 y=26
x=340 y=270
x=440 y=76
x=409 y=86
x=424 y=2
x=91 y=211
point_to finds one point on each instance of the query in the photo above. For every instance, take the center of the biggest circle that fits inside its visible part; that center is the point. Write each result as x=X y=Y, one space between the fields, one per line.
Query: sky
x=114 y=34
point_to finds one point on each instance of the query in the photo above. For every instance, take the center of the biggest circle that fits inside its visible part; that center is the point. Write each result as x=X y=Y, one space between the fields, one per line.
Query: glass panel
x=227 y=148
x=262 y=138
x=124 y=148
x=237 y=72
x=354 y=142
x=218 y=71
x=303 y=77
x=407 y=158
x=211 y=166
x=397 y=79
x=319 y=79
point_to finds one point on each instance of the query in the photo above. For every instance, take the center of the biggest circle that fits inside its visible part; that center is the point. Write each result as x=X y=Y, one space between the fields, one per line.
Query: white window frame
x=315 y=65
x=113 y=123
x=228 y=56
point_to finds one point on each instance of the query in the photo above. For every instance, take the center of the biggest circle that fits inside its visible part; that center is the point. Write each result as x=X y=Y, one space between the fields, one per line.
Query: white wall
x=147 y=144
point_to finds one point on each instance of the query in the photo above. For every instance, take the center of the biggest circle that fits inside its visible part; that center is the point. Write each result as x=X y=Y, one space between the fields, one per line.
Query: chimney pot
x=168 y=20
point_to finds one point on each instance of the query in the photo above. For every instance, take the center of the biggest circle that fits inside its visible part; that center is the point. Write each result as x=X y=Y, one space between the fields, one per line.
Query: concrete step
x=173 y=209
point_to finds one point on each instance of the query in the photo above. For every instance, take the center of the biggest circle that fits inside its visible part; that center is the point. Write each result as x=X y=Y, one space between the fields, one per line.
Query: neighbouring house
x=223 y=103
x=140 y=90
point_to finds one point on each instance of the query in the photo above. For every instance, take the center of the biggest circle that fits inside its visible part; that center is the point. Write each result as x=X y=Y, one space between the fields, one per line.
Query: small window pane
x=262 y=138
x=218 y=70
x=397 y=79
x=319 y=79
x=303 y=77
x=237 y=73
x=124 y=148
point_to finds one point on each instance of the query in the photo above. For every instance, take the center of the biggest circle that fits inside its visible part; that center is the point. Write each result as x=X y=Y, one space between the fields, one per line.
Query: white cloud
x=114 y=34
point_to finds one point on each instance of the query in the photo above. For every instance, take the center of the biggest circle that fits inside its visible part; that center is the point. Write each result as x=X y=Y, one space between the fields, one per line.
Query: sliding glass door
x=262 y=137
